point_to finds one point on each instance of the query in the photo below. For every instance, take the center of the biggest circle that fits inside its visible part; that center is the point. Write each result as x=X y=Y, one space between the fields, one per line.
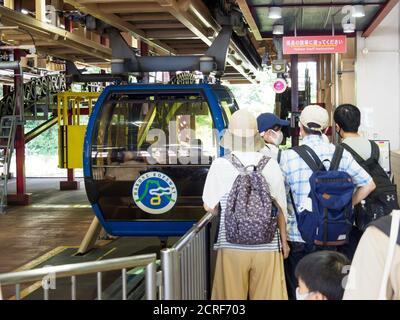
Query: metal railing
x=184 y=275
x=48 y=274
x=186 y=266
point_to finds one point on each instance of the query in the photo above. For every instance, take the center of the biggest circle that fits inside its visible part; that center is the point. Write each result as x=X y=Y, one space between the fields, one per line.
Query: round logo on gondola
x=154 y=192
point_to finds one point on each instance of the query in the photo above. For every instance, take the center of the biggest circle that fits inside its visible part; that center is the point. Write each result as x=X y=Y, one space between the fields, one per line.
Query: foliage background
x=44 y=144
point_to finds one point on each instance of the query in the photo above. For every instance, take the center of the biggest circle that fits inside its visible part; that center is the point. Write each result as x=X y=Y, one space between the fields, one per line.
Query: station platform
x=48 y=233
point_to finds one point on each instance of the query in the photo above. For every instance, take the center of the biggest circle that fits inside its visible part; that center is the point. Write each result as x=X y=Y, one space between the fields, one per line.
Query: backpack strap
x=337 y=156
x=235 y=161
x=355 y=155
x=315 y=157
x=262 y=163
x=309 y=157
x=293 y=204
x=279 y=156
x=375 y=152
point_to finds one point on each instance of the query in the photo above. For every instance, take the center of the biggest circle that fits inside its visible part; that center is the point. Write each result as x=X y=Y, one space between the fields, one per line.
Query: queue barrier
x=48 y=274
x=186 y=266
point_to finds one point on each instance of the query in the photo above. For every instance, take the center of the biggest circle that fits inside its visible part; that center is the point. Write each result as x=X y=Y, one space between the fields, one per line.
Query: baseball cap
x=315 y=118
x=266 y=121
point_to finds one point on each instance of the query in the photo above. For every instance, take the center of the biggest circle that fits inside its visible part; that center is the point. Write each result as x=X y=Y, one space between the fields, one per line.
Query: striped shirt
x=297 y=175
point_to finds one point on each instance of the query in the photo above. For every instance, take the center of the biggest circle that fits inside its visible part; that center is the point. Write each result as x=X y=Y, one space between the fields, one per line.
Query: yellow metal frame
x=71 y=130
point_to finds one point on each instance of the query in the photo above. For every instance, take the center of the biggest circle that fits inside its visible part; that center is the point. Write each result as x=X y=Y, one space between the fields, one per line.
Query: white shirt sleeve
x=215 y=185
x=273 y=175
x=364 y=279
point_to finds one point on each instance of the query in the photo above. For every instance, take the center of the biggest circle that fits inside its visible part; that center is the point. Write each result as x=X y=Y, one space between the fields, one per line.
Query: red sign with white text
x=314 y=45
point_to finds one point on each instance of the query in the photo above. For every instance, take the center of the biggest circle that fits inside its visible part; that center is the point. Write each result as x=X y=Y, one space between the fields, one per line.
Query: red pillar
x=71 y=183
x=21 y=197
x=295 y=98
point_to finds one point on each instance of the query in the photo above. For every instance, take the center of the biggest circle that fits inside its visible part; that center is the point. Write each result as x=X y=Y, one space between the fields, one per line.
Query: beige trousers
x=254 y=275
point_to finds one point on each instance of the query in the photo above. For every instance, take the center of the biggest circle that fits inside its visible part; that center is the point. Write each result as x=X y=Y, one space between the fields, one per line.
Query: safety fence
x=186 y=266
x=47 y=275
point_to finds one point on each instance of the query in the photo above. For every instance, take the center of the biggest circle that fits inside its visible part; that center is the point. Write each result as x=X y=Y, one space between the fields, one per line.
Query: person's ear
x=302 y=133
x=337 y=128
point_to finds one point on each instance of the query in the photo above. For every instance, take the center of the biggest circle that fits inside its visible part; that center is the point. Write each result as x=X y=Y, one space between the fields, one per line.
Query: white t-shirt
x=362 y=146
x=219 y=183
x=270 y=150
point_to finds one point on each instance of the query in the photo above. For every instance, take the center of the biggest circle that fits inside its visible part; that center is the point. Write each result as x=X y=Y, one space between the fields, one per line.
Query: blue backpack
x=332 y=217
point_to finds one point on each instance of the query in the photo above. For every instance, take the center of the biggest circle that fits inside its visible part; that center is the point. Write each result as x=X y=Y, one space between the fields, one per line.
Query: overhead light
x=278 y=29
x=358 y=11
x=24 y=11
x=275 y=13
x=349 y=27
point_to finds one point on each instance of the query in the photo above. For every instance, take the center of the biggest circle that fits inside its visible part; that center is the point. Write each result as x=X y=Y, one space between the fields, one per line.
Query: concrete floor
x=55 y=218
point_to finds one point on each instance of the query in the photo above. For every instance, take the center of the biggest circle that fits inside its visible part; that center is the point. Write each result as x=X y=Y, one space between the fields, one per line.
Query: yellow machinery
x=73 y=109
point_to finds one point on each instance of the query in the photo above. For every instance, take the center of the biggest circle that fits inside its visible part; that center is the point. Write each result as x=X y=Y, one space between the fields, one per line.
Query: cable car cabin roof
x=162 y=87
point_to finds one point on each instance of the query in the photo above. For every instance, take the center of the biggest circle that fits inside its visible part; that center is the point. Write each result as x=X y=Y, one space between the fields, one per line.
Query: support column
x=144 y=51
x=71 y=183
x=40 y=10
x=336 y=62
x=294 y=76
x=21 y=197
x=9 y=4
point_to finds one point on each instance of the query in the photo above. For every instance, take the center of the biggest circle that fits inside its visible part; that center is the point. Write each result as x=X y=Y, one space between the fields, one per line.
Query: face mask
x=300 y=296
x=277 y=140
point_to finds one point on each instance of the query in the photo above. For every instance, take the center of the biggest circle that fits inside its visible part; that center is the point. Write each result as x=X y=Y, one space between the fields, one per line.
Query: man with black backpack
x=383 y=200
x=325 y=182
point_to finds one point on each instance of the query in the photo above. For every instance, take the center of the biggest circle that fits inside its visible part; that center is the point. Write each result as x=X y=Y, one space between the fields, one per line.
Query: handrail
x=74 y=269
x=186 y=265
x=189 y=235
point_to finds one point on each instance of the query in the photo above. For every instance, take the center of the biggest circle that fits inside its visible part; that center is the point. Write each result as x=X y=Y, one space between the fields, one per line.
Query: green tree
x=44 y=144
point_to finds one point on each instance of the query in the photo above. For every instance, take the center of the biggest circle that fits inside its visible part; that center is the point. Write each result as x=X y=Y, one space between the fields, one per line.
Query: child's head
x=320 y=276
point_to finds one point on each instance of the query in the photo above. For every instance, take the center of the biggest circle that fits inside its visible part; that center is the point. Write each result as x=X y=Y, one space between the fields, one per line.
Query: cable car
x=147 y=151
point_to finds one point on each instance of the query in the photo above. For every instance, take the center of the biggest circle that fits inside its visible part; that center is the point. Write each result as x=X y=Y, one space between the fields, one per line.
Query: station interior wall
x=378 y=80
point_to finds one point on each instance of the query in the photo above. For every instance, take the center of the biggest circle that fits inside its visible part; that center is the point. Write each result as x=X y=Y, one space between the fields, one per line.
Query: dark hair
x=322 y=271
x=348 y=117
x=309 y=129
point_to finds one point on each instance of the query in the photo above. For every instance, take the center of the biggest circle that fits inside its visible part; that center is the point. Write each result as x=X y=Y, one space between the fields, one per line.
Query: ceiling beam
x=44 y=31
x=320 y=4
x=191 y=51
x=244 y=7
x=197 y=18
x=178 y=46
x=148 y=17
x=108 y=1
x=170 y=34
x=144 y=26
x=119 y=23
x=142 y=7
x=381 y=14
x=269 y=36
